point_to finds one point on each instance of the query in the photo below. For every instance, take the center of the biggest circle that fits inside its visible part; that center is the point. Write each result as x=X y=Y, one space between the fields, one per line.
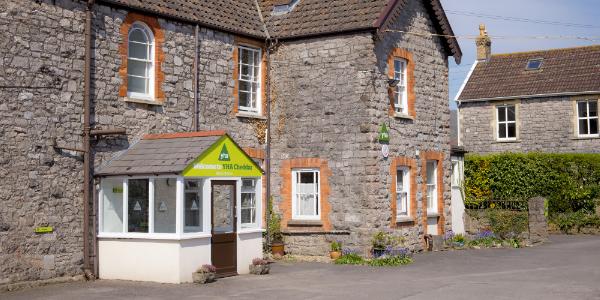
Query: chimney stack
x=484 y=45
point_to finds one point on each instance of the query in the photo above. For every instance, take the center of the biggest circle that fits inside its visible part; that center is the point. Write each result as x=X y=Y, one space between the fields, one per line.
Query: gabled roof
x=563 y=71
x=318 y=17
x=161 y=154
x=236 y=16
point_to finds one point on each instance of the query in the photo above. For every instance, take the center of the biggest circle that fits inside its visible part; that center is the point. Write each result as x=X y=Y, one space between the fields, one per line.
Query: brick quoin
x=159 y=55
x=285 y=206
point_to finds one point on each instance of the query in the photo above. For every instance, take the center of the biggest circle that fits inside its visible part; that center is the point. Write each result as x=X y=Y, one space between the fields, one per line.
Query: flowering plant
x=336 y=246
x=207 y=269
x=259 y=262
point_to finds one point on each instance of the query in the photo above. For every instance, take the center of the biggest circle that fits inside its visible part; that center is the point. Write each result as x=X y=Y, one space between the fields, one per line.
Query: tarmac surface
x=567 y=267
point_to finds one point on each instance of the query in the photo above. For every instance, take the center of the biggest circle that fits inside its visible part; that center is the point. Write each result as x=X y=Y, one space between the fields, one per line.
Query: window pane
x=112 y=205
x=400 y=180
x=248 y=201
x=593 y=108
x=245 y=72
x=137 y=68
x=137 y=35
x=582 y=109
x=223 y=213
x=306 y=177
x=306 y=205
x=138 y=50
x=512 y=130
x=583 y=126
x=244 y=99
x=431 y=169
x=501 y=114
x=193 y=206
x=136 y=85
x=138 y=205
x=502 y=131
x=593 y=126
x=511 y=113
x=165 y=190
x=244 y=56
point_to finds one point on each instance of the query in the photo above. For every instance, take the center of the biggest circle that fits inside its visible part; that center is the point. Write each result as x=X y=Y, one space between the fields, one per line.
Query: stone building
x=324 y=76
x=542 y=101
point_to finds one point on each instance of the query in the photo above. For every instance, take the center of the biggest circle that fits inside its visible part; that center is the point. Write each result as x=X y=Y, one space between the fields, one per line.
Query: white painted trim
x=151 y=205
x=179 y=206
x=153 y=236
x=462 y=87
x=125 y=205
x=252 y=230
x=295 y=216
x=531 y=96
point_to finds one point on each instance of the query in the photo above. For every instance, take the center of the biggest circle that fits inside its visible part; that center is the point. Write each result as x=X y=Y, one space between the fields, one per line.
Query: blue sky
x=584 y=12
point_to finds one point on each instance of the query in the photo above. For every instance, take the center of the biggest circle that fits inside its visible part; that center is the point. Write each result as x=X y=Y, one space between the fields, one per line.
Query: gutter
x=529 y=96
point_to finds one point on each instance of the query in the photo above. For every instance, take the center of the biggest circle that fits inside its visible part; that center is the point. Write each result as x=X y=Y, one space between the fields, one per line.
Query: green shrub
x=350 y=259
x=336 y=246
x=577 y=220
x=570 y=182
x=383 y=240
x=507 y=224
x=390 y=261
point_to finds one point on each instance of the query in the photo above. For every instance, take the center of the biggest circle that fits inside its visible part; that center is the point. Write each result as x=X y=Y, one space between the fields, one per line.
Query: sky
x=574 y=17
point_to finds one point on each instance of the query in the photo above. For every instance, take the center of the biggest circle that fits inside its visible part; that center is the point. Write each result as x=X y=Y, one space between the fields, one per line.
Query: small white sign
x=385 y=150
x=137 y=206
x=194 y=205
x=162 y=206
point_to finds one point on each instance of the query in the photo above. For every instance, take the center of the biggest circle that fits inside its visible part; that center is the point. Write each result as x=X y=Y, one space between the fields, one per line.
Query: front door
x=224 y=248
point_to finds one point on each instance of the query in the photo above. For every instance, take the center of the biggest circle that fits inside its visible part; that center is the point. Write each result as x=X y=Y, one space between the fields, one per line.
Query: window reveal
x=248 y=200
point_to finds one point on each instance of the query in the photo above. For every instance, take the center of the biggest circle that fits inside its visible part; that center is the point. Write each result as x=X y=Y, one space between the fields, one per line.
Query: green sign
x=384 y=134
x=46 y=229
x=223 y=159
x=117 y=190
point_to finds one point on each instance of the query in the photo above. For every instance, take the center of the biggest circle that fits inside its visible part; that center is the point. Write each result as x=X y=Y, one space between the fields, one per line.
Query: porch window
x=249 y=89
x=506 y=122
x=138 y=202
x=193 y=206
x=400 y=93
x=587 y=118
x=112 y=201
x=248 y=202
x=305 y=191
x=432 y=186
x=402 y=191
x=165 y=194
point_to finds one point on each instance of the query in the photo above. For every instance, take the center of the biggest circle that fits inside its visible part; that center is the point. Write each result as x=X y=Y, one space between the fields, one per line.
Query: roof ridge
x=545 y=50
x=177 y=135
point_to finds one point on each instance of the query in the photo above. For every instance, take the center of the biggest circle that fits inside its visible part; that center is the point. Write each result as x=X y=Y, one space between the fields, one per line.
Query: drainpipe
x=268 y=150
x=86 y=140
x=196 y=90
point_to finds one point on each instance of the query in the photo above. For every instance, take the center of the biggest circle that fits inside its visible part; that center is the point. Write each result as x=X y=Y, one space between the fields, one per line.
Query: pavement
x=568 y=267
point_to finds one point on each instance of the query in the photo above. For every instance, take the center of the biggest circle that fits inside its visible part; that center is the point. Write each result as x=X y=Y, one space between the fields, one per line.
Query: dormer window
x=283 y=9
x=534 y=64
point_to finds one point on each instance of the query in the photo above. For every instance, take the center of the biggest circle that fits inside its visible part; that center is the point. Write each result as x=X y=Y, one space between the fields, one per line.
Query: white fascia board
x=465 y=81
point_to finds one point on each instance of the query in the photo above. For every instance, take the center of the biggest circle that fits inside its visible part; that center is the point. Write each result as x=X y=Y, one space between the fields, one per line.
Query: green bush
x=577 y=220
x=390 y=261
x=350 y=259
x=570 y=182
x=508 y=224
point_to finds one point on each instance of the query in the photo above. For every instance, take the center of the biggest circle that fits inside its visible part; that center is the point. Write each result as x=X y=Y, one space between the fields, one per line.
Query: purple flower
x=449 y=235
x=348 y=251
x=485 y=234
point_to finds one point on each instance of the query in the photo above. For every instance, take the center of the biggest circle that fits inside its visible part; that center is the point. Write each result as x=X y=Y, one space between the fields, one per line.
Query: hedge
x=570 y=182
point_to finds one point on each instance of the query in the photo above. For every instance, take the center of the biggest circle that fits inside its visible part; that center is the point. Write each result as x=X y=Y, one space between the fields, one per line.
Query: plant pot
x=335 y=254
x=259 y=269
x=277 y=249
x=203 y=278
x=378 y=252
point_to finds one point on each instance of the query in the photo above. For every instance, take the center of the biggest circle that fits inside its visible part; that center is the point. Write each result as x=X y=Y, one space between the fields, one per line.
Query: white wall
x=193 y=254
x=249 y=247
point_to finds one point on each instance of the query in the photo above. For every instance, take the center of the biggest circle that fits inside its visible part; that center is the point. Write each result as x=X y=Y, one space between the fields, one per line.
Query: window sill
x=251 y=230
x=250 y=116
x=154 y=236
x=403 y=116
x=593 y=137
x=143 y=101
x=507 y=141
x=404 y=219
x=433 y=215
x=305 y=223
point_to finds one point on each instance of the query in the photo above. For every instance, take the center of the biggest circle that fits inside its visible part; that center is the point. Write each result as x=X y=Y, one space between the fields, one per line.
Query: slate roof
x=237 y=16
x=160 y=154
x=568 y=70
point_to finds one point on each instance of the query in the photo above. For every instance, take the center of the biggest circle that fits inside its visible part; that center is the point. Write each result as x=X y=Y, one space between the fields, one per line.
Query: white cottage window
x=587 y=118
x=400 y=92
x=403 y=191
x=249 y=89
x=140 y=62
x=431 y=186
x=506 y=122
x=306 y=194
x=248 y=202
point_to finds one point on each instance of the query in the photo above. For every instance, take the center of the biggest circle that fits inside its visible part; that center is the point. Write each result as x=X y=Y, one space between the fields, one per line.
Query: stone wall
x=543 y=124
x=330 y=97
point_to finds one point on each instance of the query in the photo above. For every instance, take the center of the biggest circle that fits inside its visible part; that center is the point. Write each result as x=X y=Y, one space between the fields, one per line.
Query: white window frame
x=257 y=197
x=200 y=191
x=401 y=74
x=317 y=192
x=404 y=173
x=506 y=122
x=588 y=118
x=258 y=101
x=152 y=61
x=433 y=187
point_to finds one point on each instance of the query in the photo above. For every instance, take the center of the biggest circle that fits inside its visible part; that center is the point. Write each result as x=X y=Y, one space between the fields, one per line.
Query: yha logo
x=224 y=155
